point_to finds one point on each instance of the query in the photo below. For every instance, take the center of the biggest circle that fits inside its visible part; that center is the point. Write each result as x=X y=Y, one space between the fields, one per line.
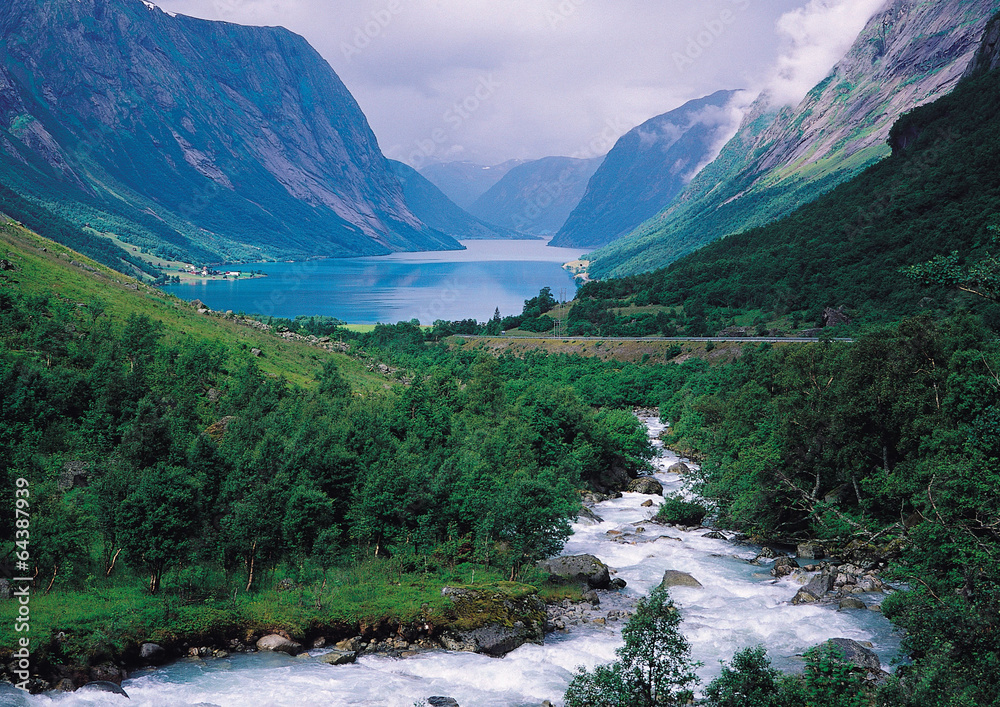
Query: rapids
x=740 y=605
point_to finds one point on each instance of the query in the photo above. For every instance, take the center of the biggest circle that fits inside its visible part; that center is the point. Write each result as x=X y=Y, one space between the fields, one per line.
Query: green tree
x=653 y=667
x=749 y=681
x=978 y=277
x=332 y=382
x=158 y=520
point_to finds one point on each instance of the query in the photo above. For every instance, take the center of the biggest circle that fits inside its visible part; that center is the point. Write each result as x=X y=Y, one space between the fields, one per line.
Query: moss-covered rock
x=493 y=620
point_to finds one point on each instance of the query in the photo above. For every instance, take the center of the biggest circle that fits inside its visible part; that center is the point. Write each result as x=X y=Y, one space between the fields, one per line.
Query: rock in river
x=645 y=485
x=675 y=578
x=583 y=568
x=279 y=644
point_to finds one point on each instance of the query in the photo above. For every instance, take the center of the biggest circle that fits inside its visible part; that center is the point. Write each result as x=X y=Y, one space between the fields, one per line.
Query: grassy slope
x=45 y=266
x=110 y=621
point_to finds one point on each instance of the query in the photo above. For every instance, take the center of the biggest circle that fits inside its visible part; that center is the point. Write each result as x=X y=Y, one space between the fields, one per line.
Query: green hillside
x=938 y=193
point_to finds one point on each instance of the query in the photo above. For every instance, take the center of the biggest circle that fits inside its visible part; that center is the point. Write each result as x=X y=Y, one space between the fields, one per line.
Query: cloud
x=569 y=73
x=818 y=36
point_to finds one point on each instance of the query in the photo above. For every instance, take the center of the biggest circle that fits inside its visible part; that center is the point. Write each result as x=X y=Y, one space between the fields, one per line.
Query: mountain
x=841 y=255
x=646 y=169
x=908 y=54
x=208 y=139
x=439 y=212
x=536 y=197
x=464 y=182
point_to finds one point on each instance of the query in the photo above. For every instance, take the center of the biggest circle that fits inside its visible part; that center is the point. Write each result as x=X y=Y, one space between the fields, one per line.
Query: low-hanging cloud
x=819 y=35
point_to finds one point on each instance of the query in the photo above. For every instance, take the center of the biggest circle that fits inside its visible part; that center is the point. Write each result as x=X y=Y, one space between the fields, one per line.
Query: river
x=740 y=605
x=427 y=286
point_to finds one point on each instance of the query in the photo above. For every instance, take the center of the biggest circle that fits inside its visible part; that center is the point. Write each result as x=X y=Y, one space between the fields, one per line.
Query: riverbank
x=100 y=636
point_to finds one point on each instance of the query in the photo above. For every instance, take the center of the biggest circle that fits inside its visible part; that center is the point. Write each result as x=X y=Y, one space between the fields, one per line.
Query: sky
x=492 y=80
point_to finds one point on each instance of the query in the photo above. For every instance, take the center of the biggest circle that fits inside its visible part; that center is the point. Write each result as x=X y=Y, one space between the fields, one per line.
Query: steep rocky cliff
x=646 y=169
x=211 y=137
x=988 y=57
x=910 y=53
x=536 y=197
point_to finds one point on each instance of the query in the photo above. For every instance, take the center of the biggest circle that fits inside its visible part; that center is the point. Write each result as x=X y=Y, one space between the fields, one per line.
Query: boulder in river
x=339 y=657
x=104 y=686
x=784 y=566
x=588 y=515
x=279 y=644
x=679 y=468
x=442 y=702
x=851 y=603
x=675 y=578
x=492 y=622
x=645 y=485
x=816 y=589
x=845 y=650
x=582 y=568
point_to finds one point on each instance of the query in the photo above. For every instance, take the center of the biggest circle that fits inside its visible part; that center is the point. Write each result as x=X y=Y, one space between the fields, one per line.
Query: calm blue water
x=426 y=286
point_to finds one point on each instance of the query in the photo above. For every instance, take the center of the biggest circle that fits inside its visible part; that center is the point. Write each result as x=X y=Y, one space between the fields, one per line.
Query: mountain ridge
x=646 y=169
x=908 y=54
x=536 y=197
x=241 y=141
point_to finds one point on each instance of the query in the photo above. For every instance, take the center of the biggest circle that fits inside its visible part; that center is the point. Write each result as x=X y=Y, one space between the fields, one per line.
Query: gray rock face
x=267 y=148
x=646 y=485
x=442 y=702
x=279 y=644
x=855 y=654
x=676 y=578
x=810 y=551
x=988 y=57
x=583 y=568
x=339 y=657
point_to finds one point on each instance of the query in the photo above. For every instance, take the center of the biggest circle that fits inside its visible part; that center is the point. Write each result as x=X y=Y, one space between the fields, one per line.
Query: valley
x=701 y=411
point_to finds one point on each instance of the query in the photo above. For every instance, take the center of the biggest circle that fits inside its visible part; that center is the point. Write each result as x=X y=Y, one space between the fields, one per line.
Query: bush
x=677 y=511
x=749 y=681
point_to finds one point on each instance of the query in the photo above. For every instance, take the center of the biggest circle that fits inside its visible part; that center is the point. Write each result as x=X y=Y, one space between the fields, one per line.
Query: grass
x=45 y=267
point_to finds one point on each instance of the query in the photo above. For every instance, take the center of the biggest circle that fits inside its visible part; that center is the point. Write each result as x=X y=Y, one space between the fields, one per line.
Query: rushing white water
x=740 y=605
